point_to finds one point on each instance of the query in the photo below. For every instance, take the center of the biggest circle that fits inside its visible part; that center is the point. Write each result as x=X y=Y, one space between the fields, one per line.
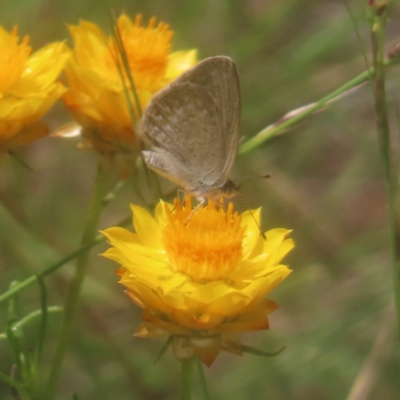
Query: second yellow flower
x=97 y=97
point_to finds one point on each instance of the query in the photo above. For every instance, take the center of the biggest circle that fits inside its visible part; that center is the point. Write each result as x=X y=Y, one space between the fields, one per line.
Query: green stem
x=20 y=286
x=285 y=124
x=382 y=122
x=31 y=318
x=187 y=368
x=203 y=382
x=32 y=279
x=71 y=302
x=12 y=382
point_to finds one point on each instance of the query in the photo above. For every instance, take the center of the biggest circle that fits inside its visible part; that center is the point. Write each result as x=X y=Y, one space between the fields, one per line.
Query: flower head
x=200 y=276
x=28 y=87
x=97 y=94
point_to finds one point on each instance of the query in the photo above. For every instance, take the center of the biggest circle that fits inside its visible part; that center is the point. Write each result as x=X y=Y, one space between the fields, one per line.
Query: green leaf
x=163 y=349
x=262 y=353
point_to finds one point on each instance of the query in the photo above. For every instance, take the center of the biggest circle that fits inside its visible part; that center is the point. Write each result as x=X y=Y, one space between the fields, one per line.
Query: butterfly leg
x=202 y=201
x=180 y=192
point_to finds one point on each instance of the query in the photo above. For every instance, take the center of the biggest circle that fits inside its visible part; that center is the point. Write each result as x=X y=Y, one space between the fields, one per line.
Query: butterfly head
x=227 y=190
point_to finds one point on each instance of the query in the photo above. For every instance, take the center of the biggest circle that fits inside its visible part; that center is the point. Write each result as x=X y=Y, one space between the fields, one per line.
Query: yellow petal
x=256 y=319
x=146 y=228
x=179 y=62
x=277 y=244
x=150 y=299
x=265 y=285
x=30 y=109
x=162 y=324
x=90 y=47
x=42 y=69
x=142 y=258
x=251 y=220
x=275 y=237
x=160 y=214
x=248 y=270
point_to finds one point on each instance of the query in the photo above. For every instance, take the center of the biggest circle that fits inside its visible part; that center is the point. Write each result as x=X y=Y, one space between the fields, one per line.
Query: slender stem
x=373 y=365
x=32 y=279
x=5 y=378
x=20 y=160
x=71 y=302
x=382 y=122
x=187 y=368
x=20 y=286
x=301 y=113
x=31 y=318
x=203 y=382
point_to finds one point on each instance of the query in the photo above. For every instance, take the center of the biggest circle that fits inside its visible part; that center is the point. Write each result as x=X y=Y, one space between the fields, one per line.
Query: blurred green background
x=327 y=185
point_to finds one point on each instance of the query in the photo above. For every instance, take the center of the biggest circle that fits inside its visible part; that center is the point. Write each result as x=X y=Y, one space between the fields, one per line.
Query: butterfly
x=192 y=126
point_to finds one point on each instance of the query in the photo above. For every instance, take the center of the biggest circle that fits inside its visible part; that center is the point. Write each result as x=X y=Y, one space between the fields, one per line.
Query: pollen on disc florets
x=206 y=244
x=147 y=50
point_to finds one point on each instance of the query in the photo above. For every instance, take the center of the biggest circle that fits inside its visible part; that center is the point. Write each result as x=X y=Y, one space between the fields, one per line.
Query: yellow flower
x=28 y=87
x=200 y=277
x=97 y=98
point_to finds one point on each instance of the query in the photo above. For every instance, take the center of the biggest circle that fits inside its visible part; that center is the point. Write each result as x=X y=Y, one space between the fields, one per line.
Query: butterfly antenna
x=245 y=205
x=255 y=176
x=252 y=216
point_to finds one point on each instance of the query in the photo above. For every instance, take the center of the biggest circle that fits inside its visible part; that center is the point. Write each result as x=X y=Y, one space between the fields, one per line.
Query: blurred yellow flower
x=200 y=277
x=28 y=87
x=96 y=96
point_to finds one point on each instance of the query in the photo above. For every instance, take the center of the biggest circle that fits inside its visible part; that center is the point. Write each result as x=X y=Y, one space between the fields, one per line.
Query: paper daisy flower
x=97 y=96
x=200 y=277
x=28 y=87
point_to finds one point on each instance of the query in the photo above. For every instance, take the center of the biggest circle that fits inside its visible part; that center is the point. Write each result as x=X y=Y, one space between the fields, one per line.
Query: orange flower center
x=147 y=51
x=13 y=57
x=205 y=243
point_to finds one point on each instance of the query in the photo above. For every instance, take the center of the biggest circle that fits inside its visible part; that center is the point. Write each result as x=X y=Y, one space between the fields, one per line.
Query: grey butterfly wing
x=193 y=126
x=180 y=126
x=218 y=75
